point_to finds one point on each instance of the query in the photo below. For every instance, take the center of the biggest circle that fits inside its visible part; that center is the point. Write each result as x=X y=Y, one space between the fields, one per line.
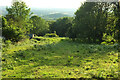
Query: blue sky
x=47 y=3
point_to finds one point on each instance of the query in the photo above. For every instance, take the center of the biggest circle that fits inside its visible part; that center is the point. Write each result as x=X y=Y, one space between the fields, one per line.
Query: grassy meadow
x=58 y=57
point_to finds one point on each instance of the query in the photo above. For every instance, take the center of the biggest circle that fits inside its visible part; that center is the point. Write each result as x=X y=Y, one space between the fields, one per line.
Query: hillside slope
x=59 y=58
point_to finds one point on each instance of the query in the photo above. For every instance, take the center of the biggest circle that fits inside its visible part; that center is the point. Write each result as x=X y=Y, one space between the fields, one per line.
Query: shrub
x=108 y=39
x=7 y=43
x=12 y=33
x=51 y=35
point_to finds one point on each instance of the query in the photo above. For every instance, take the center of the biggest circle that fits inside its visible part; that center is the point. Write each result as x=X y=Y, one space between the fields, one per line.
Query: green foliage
x=11 y=32
x=16 y=23
x=111 y=29
x=90 y=22
x=8 y=42
x=108 y=39
x=40 y=26
x=59 y=57
x=18 y=11
x=116 y=10
x=61 y=26
x=51 y=35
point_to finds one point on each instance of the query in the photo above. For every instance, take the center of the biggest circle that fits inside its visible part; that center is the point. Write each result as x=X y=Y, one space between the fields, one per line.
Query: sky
x=47 y=3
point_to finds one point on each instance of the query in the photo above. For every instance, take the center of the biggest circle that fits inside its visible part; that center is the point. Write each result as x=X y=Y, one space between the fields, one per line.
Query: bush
x=108 y=39
x=51 y=35
x=7 y=43
x=12 y=33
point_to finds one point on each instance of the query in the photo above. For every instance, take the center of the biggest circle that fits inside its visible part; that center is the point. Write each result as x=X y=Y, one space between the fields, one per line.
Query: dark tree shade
x=61 y=26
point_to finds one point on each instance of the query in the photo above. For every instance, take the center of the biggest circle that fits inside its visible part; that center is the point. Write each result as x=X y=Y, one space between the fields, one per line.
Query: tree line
x=94 y=22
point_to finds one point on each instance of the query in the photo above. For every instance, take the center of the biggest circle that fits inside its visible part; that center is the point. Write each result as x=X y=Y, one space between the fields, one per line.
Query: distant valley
x=46 y=13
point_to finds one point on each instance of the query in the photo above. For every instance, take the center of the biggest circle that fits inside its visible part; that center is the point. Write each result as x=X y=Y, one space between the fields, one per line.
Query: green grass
x=44 y=57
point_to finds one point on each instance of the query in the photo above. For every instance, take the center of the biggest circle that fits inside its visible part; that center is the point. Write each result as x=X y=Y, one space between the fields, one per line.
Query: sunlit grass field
x=44 y=57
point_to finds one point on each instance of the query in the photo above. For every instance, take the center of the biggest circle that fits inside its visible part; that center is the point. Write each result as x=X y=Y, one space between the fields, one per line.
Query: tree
x=61 y=26
x=117 y=26
x=20 y=14
x=90 y=22
x=18 y=11
x=11 y=32
x=18 y=22
x=0 y=25
x=40 y=26
x=112 y=29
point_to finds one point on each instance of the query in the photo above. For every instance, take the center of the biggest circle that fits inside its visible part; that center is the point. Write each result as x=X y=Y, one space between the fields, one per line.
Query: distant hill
x=53 y=13
x=55 y=16
x=46 y=13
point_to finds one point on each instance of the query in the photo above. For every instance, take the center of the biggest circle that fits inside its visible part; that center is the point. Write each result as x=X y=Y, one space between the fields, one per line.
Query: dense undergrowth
x=44 y=57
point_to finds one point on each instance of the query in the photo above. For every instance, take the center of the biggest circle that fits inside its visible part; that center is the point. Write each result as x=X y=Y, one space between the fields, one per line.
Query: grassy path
x=59 y=58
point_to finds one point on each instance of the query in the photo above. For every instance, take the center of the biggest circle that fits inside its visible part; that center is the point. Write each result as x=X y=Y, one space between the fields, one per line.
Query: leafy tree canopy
x=61 y=25
x=40 y=25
